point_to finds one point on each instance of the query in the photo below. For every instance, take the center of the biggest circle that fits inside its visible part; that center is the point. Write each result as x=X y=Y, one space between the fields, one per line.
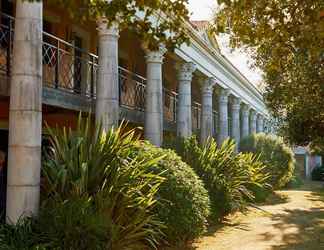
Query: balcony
x=70 y=75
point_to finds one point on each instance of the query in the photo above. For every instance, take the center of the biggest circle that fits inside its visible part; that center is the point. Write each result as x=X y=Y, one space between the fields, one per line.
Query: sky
x=203 y=10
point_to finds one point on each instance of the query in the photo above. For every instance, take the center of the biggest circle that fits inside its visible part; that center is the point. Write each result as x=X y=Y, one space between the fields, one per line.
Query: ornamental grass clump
x=95 y=195
x=230 y=178
x=275 y=154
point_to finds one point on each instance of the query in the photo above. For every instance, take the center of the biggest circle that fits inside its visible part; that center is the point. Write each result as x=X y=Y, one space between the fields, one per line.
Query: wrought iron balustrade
x=72 y=69
x=132 y=94
x=65 y=66
x=68 y=67
x=132 y=90
x=6 y=38
x=170 y=105
x=196 y=116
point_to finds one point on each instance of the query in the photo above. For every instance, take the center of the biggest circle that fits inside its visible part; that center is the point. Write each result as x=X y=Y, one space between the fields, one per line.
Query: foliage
x=94 y=195
x=21 y=236
x=295 y=182
x=170 y=16
x=286 y=41
x=230 y=178
x=183 y=201
x=274 y=153
x=318 y=173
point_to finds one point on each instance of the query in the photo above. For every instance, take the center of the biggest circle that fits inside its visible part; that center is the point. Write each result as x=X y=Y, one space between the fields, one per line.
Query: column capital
x=185 y=70
x=209 y=84
x=154 y=56
x=260 y=116
x=246 y=108
x=253 y=115
x=236 y=101
x=105 y=30
x=223 y=95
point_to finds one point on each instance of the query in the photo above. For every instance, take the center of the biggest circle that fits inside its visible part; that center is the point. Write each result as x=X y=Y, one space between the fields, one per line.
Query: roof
x=203 y=27
x=202 y=24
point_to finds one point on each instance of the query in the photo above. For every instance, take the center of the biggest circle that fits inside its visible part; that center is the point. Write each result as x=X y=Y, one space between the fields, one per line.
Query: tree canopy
x=286 y=40
x=167 y=28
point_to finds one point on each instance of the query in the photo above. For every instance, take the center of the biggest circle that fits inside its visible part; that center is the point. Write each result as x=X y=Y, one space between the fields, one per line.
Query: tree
x=286 y=40
x=167 y=29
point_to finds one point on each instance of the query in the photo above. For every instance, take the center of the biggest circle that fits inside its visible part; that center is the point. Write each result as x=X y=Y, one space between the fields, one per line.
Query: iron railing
x=68 y=67
x=196 y=116
x=132 y=90
x=170 y=105
x=72 y=69
x=6 y=38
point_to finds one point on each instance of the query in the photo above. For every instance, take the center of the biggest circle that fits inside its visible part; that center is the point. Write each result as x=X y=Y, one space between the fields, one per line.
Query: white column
x=107 y=90
x=260 y=123
x=25 y=115
x=223 y=116
x=253 y=119
x=184 y=121
x=153 y=127
x=236 y=107
x=206 y=130
x=245 y=121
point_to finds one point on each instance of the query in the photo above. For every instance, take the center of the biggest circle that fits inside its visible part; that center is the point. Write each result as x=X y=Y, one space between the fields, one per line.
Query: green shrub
x=318 y=173
x=183 y=201
x=22 y=236
x=275 y=154
x=295 y=182
x=95 y=196
x=228 y=177
x=258 y=178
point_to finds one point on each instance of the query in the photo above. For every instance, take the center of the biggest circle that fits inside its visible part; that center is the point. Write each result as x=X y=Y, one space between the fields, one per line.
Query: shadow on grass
x=302 y=229
x=217 y=227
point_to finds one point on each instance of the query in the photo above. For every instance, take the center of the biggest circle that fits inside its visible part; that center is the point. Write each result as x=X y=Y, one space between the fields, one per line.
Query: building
x=59 y=67
x=306 y=161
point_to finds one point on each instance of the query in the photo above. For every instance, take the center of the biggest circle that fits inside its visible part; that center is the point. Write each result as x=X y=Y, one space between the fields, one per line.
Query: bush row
x=114 y=191
x=275 y=154
x=232 y=180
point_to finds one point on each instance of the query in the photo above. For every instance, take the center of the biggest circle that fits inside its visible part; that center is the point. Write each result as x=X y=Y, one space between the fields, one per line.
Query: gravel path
x=294 y=220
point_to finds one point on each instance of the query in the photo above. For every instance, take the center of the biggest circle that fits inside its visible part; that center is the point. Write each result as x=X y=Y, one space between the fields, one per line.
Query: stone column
x=223 y=116
x=260 y=125
x=184 y=121
x=253 y=118
x=107 y=90
x=245 y=121
x=236 y=107
x=25 y=115
x=153 y=127
x=206 y=129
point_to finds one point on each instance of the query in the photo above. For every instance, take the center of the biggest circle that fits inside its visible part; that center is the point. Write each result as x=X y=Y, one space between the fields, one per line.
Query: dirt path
x=295 y=220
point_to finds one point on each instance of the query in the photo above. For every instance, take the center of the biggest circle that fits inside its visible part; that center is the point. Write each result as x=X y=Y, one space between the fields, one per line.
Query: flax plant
x=94 y=195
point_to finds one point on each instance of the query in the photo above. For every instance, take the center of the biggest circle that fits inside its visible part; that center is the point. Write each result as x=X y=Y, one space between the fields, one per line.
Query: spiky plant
x=94 y=195
x=230 y=178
